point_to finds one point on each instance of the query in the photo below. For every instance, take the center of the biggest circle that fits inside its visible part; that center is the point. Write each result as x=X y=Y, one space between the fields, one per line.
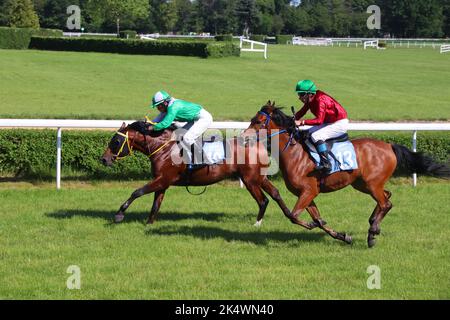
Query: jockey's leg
x=322 y=149
x=194 y=132
x=323 y=133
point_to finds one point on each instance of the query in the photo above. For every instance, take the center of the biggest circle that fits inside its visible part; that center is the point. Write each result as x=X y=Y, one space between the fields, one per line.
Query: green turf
x=207 y=247
x=378 y=85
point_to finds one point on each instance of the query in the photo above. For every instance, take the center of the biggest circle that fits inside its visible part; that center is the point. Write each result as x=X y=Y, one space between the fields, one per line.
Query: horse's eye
x=116 y=143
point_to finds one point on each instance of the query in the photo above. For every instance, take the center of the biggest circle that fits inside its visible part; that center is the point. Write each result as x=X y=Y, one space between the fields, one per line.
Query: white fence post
x=58 y=158
x=414 y=148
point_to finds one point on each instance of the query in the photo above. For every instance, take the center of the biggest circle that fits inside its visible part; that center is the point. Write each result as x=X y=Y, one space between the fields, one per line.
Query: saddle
x=341 y=153
x=212 y=152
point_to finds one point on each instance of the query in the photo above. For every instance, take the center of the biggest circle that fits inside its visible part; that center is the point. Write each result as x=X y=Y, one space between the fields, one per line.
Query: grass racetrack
x=207 y=247
x=376 y=85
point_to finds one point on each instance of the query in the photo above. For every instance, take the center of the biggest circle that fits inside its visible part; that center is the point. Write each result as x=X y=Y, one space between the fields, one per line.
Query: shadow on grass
x=135 y=216
x=258 y=237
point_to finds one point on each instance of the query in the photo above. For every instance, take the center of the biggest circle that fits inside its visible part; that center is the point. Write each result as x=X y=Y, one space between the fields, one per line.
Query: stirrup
x=192 y=167
x=322 y=168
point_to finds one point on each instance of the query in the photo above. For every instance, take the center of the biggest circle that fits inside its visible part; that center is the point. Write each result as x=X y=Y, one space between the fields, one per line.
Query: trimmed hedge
x=32 y=153
x=19 y=38
x=128 y=34
x=223 y=49
x=284 y=38
x=178 y=48
x=224 y=37
x=258 y=37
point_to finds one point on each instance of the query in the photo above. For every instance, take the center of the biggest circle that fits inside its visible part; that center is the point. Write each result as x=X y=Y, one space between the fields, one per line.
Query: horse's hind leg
x=275 y=195
x=383 y=206
x=255 y=190
x=159 y=196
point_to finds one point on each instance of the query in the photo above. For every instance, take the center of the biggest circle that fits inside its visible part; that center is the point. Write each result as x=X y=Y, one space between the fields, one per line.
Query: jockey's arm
x=320 y=116
x=167 y=121
x=301 y=112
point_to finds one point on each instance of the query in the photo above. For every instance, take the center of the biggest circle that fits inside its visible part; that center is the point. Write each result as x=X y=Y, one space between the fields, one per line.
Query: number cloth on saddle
x=344 y=152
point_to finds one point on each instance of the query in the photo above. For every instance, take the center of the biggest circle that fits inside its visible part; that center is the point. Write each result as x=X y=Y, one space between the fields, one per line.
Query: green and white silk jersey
x=179 y=110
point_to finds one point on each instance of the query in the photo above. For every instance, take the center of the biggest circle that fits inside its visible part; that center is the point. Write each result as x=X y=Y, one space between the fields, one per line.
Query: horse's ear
x=268 y=103
x=124 y=125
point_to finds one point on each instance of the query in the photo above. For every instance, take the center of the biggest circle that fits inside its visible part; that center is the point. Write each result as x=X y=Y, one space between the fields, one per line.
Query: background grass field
x=377 y=85
x=207 y=247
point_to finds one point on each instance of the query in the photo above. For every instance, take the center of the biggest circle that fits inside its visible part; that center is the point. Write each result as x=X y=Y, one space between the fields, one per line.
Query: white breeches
x=329 y=130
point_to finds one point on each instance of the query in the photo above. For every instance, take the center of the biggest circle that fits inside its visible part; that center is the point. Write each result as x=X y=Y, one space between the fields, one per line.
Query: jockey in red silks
x=330 y=122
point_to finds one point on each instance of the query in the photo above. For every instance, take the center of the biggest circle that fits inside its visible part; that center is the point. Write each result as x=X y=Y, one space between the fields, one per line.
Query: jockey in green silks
x=172 y=109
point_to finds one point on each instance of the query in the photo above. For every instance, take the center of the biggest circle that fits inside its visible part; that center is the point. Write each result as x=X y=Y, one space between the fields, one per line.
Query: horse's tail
x=419 y=162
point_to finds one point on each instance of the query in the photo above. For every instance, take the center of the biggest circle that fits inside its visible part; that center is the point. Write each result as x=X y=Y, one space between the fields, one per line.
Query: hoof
x=258 y=224
x=118 y=218
x=348 y=239
x=371 y=243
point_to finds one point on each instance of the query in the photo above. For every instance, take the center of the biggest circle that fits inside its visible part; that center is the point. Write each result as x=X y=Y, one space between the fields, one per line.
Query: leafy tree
x=53 y=13
x=20 y=14
x=247 y=14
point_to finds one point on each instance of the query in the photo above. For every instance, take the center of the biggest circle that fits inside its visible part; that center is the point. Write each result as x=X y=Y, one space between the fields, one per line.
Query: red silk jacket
x=324 y=107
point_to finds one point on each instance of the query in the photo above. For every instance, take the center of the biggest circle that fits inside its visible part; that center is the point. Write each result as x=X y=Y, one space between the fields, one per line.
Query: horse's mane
x=279 y=117
x=142 y=128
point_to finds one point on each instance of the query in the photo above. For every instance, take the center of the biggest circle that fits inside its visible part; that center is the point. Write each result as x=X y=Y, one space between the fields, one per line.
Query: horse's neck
x=290 y=153
x=149 y=144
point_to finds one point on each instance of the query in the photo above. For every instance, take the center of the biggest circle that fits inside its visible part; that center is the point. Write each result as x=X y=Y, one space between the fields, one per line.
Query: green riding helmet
x=305 y=86
x=160 y=97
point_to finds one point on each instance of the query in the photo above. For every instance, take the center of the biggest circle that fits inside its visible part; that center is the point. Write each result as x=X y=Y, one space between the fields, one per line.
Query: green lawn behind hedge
x=376 y=85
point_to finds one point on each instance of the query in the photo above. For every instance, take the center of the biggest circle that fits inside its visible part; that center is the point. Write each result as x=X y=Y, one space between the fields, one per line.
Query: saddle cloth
x=344 y=152
x=213 y=152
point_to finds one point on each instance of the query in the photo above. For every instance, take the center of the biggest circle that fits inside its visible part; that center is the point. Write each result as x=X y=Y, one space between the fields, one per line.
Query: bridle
x=127 y=141
x=130 y=147
x=265 y=126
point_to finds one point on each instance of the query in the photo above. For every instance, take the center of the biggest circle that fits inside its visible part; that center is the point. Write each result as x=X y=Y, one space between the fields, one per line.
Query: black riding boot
x=192 y=154
x=325 y=164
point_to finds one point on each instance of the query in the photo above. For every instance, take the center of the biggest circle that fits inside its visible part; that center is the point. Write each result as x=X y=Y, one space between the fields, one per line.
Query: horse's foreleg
x=306 y=201
x=153 y=186
x=159 y=196
x=319 y=222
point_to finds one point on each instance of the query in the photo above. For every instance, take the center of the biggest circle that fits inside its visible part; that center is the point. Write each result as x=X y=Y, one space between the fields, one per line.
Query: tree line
x=318 y=18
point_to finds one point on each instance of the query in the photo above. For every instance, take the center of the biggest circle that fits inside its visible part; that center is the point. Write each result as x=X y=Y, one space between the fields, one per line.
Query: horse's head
x=269 y=118
x=120 y=145
x=134 y=136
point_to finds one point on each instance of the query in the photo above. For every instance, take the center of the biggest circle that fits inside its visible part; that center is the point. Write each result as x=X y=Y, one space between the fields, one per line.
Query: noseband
x=127 y=141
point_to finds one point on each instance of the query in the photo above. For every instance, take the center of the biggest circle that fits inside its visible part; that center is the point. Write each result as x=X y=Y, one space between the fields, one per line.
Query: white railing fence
x=252 y=46
x=115 y=124
x=445 y=48
x=371 y=44
x=311 y=42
